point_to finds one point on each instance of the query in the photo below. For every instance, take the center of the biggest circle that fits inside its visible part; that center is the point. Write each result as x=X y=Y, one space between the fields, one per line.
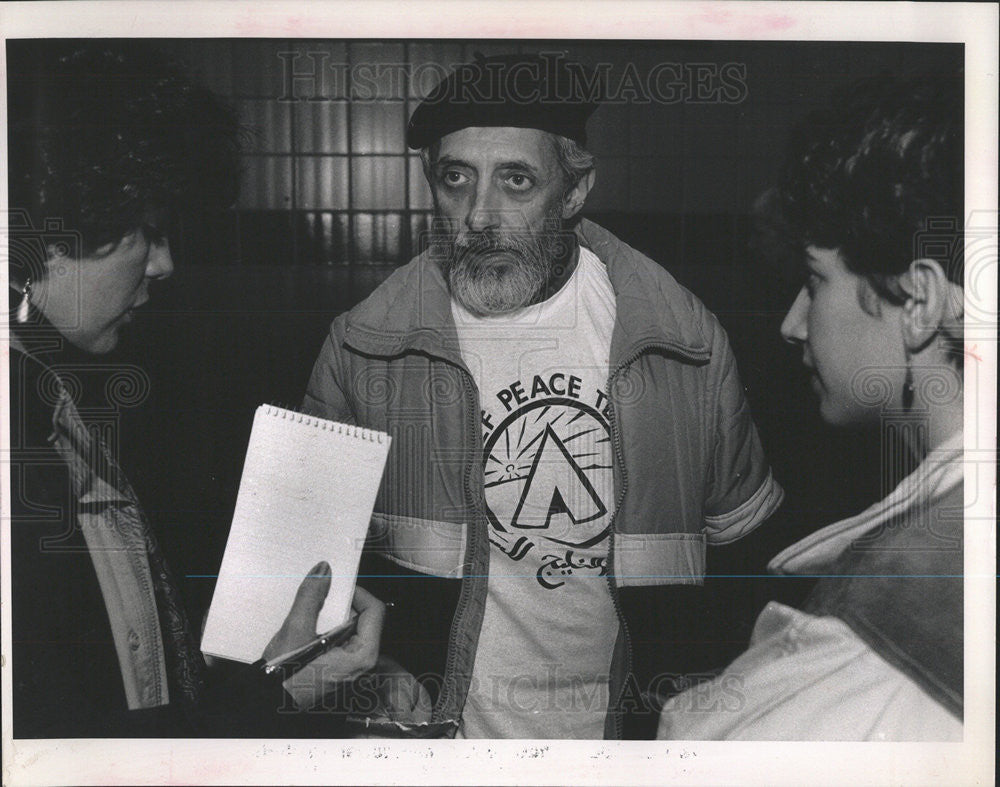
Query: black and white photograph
x=471 y=393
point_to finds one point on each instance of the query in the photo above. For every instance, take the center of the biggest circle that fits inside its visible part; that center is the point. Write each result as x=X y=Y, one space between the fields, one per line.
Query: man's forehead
x=479 y=144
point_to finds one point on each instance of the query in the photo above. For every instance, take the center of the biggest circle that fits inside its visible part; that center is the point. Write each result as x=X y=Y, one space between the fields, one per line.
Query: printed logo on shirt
x=548 y=476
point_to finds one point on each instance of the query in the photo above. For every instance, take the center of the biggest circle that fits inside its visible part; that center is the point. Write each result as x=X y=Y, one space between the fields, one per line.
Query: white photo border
x=202 y=761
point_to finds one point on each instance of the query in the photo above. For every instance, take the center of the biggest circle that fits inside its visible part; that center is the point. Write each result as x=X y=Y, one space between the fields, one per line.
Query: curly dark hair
x=871 y=175
x=102 y=133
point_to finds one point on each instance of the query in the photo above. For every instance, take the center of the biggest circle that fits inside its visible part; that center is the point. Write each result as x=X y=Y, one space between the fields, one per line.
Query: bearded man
x=569 y=429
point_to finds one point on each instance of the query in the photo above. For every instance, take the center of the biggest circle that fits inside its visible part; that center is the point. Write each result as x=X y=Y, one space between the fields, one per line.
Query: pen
x=317 y=647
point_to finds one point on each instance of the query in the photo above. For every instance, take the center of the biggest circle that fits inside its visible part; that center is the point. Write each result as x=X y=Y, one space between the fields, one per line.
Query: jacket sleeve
x=326 y=393
x=741 y=492
x=241 y=701
x=807 y=678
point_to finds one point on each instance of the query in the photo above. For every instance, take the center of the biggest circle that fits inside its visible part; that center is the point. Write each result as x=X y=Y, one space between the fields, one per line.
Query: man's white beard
x=496 y=273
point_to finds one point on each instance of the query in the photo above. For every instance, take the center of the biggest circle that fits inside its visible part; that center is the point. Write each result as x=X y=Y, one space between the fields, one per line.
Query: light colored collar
x=941 y=471
x=411 y=310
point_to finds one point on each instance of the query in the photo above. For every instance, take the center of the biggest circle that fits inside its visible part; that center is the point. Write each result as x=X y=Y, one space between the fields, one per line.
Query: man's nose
x=793 y=327
x=484 y=212
x=160 y=263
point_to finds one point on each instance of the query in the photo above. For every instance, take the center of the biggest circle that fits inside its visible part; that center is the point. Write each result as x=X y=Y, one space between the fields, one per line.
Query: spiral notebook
x=306 y=495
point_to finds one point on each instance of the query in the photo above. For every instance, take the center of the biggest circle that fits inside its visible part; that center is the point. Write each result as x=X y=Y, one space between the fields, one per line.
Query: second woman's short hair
x=876 y=172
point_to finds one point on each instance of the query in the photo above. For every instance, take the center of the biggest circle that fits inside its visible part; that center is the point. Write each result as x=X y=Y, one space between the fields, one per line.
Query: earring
x=908 y=388
x=22 y=309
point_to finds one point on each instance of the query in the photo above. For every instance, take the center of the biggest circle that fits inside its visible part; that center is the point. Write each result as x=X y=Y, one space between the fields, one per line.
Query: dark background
x=332 y=202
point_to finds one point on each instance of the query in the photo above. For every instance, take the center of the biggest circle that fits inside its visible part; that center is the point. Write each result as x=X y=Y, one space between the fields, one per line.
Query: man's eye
x=812 y=281
x=454 y=178
x=519 y=182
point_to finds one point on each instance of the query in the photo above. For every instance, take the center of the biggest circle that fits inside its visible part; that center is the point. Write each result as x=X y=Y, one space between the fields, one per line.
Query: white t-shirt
x=544 y=654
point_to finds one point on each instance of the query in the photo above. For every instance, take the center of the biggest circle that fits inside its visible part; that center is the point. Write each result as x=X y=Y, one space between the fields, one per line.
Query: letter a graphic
x=556 y=485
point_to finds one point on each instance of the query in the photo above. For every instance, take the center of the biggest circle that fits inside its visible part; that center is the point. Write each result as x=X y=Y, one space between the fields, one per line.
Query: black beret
x=542 y=91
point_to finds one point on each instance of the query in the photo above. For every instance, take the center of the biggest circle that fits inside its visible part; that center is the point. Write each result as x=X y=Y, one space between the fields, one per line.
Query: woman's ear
x=928 y=295
x=56 y=251
x=574 y=198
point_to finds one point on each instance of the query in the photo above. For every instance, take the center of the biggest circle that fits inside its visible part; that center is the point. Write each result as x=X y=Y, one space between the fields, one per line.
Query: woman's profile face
x=90 y=299
x=856 y=357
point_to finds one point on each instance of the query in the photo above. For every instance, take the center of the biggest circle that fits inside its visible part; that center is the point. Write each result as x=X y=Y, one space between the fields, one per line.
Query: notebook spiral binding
x=357 y=432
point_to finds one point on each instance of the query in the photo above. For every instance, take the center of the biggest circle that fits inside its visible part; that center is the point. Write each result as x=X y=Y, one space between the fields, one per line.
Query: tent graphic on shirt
x=562 y=489
x=547 y=474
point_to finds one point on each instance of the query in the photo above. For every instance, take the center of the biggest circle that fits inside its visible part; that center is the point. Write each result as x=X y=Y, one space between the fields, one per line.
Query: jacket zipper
x=472 y=548
x=465 y=592
x=620 y=458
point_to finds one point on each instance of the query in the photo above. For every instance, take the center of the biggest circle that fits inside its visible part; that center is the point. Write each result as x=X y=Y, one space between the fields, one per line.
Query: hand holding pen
x=330 y=660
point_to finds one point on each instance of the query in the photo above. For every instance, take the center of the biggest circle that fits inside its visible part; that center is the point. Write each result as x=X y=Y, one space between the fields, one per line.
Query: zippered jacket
x=688 y=465
x=101 y=645
x=876 y=653
x=80 y=540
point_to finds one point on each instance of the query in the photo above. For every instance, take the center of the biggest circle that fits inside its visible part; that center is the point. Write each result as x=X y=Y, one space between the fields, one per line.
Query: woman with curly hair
x=870 y=203
x=108 y=145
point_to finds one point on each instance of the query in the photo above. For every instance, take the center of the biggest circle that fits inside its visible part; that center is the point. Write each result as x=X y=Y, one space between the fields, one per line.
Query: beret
x=542 y=91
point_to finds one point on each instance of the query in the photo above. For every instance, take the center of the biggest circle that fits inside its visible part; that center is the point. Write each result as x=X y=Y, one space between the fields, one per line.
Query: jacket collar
x=411 y=310
x=70 y=435
x=939 y=473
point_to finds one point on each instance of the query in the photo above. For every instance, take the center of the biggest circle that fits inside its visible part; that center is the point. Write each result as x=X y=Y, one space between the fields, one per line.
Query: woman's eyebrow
x=154 y=232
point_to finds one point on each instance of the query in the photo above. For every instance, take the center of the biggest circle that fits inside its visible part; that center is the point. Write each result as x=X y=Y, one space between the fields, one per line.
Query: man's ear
x=574 y=198
x=927 y=305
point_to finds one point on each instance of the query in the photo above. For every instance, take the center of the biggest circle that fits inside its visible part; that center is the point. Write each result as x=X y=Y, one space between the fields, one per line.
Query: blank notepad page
x=307 y=494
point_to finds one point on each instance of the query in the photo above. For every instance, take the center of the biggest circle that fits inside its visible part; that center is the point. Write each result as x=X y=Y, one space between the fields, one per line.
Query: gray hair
x=575 y=161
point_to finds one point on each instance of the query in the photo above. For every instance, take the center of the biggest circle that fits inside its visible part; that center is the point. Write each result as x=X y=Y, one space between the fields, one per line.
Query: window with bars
x=327 y=178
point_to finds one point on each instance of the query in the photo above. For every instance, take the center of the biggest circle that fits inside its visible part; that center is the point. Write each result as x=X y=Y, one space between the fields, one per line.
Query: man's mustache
x=485 y=245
